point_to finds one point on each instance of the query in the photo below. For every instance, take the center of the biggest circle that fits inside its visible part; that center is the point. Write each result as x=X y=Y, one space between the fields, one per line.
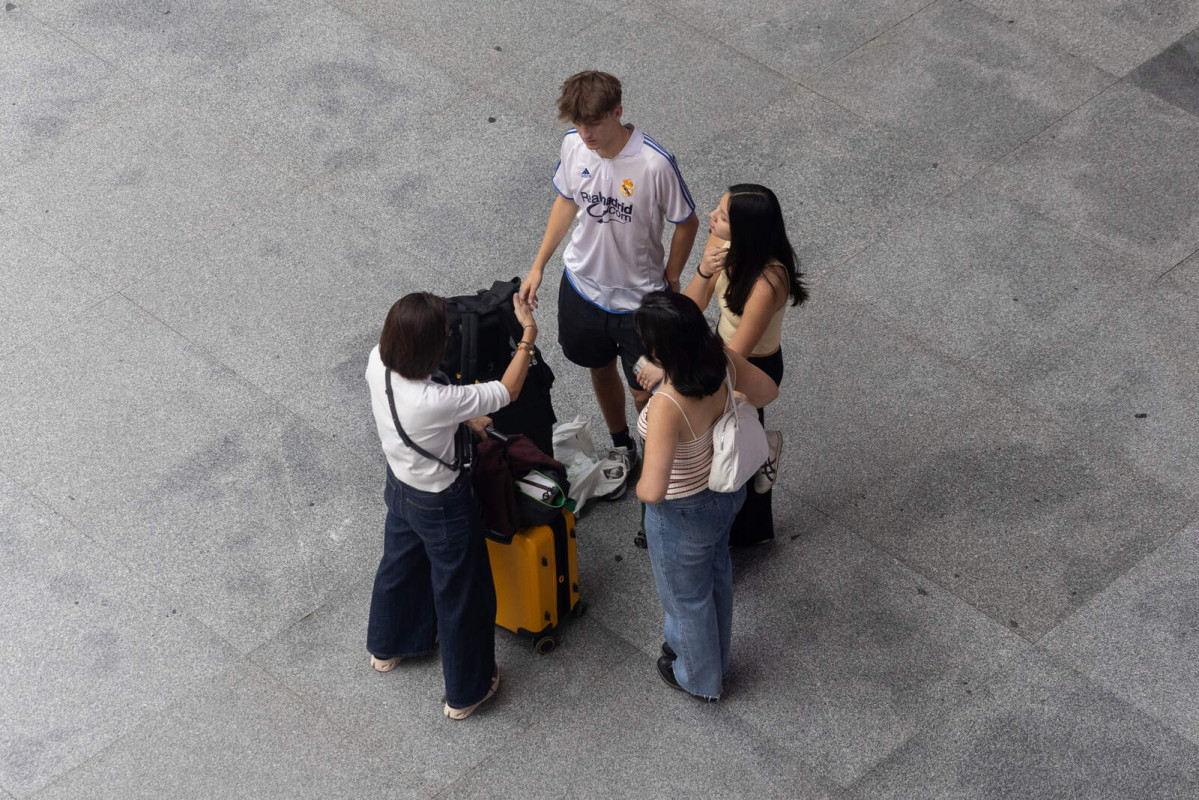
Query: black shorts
x=591 y=337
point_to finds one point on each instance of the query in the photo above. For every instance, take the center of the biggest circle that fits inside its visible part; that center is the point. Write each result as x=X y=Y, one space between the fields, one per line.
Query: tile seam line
x=871 y=40
x=513 y=741
x=1046 y=44
x=969 y=177
x=1123 y=576
x=258 y=390
x=130 y=101
x=34 y=15
x=1103 y=686
x=1048 y=215
x=1107 y=686
x=786 y=78
x=43 y=336
x=1181 y=261
x=854 y=531
x=125 y=737
x=930 y=724
x=160 y=90
x=155 y=586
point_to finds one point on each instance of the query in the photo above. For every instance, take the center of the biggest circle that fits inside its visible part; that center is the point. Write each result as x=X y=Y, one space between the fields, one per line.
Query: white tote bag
x=739 y=446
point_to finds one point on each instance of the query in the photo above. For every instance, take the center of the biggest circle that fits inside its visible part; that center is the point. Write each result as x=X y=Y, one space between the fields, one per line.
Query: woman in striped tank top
x=686 y=523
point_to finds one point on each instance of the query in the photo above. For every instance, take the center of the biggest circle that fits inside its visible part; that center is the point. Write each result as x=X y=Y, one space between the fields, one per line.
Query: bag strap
x=681 y=411
x=468 y=361
x=729 y=403
x=404 y=435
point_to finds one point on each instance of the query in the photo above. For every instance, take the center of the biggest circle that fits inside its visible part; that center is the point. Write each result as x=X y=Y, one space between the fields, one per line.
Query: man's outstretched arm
x=561 y=215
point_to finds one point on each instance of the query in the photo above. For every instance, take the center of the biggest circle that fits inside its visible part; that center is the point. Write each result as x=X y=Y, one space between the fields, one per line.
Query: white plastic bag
x=574 y=448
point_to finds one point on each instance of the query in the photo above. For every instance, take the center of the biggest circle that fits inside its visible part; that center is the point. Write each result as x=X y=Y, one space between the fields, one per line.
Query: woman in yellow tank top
x=751 y=268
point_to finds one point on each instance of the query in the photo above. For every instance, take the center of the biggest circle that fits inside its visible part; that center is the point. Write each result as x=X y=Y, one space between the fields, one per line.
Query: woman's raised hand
x=524 y=315
x=713 y=260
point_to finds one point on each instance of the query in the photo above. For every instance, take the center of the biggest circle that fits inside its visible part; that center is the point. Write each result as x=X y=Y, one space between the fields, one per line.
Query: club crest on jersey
x=606 y=209
x=586 y=173
x=626 y=188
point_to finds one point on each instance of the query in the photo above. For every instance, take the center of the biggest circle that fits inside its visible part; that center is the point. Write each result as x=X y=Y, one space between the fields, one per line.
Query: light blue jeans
x=689 y=549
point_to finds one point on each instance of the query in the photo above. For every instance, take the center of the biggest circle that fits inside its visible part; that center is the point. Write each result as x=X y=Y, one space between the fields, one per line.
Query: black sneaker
x=669 y=652
x=666 y=673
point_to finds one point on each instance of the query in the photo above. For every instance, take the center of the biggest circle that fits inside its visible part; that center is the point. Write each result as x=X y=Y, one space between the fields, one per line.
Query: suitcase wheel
x=579 y=610
x=545 y=644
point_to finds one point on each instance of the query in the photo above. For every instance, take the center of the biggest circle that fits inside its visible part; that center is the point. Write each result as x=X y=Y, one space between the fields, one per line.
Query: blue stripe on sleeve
x=682 y=183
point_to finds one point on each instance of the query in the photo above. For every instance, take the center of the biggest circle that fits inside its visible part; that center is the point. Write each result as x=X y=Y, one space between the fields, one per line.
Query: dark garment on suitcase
x=754 y=523
x=484 y=332
x=497 y=463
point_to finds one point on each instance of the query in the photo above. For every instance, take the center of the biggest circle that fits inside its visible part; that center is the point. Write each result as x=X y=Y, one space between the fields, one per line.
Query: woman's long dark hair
x=677 y=336
x=758 y=238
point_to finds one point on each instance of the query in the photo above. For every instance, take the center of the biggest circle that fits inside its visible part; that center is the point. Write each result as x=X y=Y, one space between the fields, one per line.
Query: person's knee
x=606 y=373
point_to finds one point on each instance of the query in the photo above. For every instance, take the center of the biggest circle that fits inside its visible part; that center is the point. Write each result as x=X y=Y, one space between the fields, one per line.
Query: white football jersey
x=615 y=256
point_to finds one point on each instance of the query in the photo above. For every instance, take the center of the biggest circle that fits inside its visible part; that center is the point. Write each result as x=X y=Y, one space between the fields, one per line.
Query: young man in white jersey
x=620 y=185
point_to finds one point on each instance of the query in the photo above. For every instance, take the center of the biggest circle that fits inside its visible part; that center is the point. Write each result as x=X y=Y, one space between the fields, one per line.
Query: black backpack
x=483 y=335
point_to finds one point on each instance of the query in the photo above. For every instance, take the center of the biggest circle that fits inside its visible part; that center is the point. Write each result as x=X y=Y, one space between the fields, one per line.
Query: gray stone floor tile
x=1122 y=170
x=160 y=42
x=124 y=195
x=960 y=81
x=632 y=736
x=399 y=714
x=841 y=180
x=1112 y=34
x=1126 y=381
x=1018 y=515
x=59 y=90
x=675 y=79
x=795 y=39
x=1138 y=637
x=981 y=275
x=846 y=662
x=479 y=43
x=43 y=288
x=1040 y=731
x=860 y=402
x=1173 y=74
x=329 y=93
x=473 y=196
x=304 y=251
x=245 y=515
x=244 y=737
x=91 y=650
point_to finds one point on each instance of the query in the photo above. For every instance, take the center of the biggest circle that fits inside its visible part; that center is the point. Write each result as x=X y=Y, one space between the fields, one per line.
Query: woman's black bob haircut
x=414 y=335
x=758 y=237
x=677 y=337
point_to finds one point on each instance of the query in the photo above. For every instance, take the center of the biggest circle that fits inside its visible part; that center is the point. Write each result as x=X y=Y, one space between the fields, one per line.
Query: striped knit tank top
x=692 y=460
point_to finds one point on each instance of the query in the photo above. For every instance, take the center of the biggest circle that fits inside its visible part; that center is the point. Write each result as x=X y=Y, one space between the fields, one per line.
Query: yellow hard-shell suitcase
x=537 y=580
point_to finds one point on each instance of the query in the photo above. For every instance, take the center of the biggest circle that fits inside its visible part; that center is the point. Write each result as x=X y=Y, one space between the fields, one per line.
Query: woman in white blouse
x=434 y=579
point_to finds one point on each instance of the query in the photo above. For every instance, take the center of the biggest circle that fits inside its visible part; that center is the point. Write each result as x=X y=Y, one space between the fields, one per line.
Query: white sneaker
x=463 y=713
x=618 y=469
x=765 y=477
x=385 y=664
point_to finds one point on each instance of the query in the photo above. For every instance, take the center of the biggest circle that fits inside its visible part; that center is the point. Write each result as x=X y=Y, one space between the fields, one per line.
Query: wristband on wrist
x=701 y=273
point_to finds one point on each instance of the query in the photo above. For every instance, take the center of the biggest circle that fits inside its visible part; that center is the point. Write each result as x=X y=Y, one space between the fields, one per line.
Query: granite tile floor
x=984 y=580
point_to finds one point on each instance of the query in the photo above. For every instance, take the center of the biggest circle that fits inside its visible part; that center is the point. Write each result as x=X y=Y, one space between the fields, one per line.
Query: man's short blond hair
x=588 y=97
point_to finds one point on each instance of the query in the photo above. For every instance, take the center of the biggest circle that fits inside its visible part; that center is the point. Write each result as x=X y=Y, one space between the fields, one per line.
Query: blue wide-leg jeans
x=434 y=581
x=688 y=543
